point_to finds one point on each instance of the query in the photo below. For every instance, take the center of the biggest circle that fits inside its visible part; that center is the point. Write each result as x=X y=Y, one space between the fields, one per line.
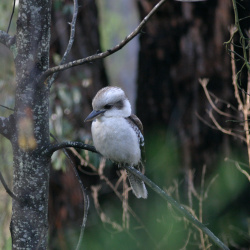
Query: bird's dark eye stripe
x=119 y=104
x=107 y=106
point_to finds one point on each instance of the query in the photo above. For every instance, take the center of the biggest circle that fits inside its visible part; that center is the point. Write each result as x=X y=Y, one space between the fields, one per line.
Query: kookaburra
x=118 y=134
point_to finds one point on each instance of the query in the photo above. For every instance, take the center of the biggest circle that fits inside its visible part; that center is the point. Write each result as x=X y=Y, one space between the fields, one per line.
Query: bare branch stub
x=6 y=39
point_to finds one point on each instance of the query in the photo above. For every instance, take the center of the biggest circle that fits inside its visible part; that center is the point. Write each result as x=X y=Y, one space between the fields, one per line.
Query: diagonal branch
x=102 y=55
x=151 y=184
x=177 y=206
x=70 y=43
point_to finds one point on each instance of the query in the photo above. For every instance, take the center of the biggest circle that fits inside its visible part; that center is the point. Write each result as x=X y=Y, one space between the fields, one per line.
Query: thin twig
x=242 y=171
x=205 y=122
x=223 y=130
x=102 y=215
x=240 y=162
x=234 y=75
x=6 y=107
x=102 y=55
x=177 y=206
x=70 y=43
x=237 y=54
x=217 y=99
x=237 y=164
x=187 y=241
x=209 y=186
x=242 y=37
x=85 y=197
x=204 y=83
x=99 y=171
x=84 y=163
x=13 y=10
x=246 y=113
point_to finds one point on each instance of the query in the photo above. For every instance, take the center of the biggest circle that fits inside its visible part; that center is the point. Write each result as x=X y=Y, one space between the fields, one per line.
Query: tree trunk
x=179 y=47
x=30 y=126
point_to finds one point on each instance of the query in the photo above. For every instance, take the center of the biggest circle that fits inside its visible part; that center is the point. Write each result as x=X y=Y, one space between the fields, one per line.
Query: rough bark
x=30 y=126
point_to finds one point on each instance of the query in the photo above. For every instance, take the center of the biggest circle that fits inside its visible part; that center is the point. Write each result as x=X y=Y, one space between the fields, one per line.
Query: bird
x=118 y=134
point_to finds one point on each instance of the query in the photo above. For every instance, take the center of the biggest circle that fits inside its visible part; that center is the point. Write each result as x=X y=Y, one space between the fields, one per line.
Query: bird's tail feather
x=138 y=186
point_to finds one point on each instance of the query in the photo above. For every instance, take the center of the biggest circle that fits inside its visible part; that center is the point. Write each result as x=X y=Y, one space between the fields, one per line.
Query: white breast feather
x=116 y=140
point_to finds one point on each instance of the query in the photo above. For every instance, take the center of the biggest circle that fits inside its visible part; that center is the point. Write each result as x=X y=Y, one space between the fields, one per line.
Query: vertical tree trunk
x=30 y=126
x=179 y=47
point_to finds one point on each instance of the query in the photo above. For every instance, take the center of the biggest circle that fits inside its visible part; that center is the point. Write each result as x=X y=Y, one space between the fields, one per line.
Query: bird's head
x=110 y=102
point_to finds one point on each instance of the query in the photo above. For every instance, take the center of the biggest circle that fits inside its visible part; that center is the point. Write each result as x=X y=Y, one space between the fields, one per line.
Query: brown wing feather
x=138 y=127
x=137 y=122
x=137 y=185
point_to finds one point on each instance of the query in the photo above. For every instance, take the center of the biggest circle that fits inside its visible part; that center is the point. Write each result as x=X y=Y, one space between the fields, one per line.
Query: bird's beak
x=93 y=114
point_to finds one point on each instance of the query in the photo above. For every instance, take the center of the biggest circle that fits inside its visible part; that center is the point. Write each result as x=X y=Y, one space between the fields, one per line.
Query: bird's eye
x=108 y=106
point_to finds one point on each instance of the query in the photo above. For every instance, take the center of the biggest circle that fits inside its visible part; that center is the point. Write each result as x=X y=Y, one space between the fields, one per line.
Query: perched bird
x=118 y=134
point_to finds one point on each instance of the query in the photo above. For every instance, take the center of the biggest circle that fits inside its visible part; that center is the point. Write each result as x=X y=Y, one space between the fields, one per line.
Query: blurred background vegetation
x=159 y=70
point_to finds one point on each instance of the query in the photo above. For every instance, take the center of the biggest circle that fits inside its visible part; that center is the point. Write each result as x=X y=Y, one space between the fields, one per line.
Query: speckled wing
x=138 y=127
x=137 y=185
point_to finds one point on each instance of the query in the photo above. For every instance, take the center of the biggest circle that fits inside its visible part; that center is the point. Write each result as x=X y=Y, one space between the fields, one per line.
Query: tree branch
x=151 y=184
x=204 y=83
x=102 y=55
x=70 y=43
x=68 y=144
x=223 y=130
x=242 y=37
x=177 y=206
x=6 y=39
